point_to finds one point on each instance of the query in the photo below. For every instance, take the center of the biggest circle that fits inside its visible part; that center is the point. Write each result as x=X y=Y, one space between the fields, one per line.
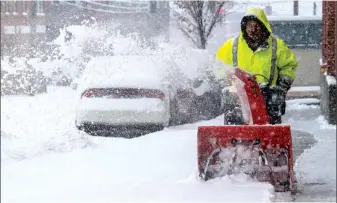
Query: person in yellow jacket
x=259 y=52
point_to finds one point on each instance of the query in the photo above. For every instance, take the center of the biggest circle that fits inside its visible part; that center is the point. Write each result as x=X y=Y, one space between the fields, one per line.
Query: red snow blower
x=251 y=143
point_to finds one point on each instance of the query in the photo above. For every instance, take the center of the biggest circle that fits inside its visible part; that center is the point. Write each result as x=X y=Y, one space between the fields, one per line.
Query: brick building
x=23 y=26
x=146 y=17
x=28 y=25
x=329 y=62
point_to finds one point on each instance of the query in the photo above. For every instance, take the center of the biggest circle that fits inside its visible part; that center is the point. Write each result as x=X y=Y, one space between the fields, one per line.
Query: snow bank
x=302 y=104
x=157 y=167
x=18 y=64
x=331 y=80
x=34 y=126
x=304 y=88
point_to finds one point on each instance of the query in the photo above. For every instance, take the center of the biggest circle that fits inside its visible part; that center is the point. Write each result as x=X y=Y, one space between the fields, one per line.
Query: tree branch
x=189 y=36
x=200 y=18
x=214 y=19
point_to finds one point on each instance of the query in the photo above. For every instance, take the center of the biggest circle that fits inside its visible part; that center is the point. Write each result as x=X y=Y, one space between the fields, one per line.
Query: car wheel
x=208 y=106
x=193 y=113
x=173 y=113
x=177 y=118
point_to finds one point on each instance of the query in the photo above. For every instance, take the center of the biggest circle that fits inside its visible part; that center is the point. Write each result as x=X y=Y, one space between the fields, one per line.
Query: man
x=257 y=51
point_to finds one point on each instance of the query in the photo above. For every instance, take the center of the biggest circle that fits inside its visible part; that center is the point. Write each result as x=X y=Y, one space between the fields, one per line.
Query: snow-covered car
x=120 y=91
x=168 y=69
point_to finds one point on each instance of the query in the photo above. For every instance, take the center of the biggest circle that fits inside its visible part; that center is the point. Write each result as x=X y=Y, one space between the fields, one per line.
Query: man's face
x=253 y=30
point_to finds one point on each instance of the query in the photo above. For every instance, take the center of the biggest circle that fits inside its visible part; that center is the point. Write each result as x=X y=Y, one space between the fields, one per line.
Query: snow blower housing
x=254 y=146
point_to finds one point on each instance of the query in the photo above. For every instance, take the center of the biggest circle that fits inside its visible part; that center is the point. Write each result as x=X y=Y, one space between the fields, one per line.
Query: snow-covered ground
x=34 y=126
x=44 y=159
x=159 y=166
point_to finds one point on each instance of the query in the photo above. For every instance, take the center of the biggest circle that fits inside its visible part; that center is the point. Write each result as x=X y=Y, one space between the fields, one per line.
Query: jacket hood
x=257 y=14
x=260 y=15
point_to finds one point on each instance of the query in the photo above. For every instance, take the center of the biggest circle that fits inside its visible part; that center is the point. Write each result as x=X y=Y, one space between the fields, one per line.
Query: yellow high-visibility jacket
x=260 y=61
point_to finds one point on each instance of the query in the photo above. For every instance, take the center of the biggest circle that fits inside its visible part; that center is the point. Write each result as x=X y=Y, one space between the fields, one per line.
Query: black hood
x=265 y=32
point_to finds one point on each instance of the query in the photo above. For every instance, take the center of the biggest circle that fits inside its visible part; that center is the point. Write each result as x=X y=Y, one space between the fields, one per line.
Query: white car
x=122 y=91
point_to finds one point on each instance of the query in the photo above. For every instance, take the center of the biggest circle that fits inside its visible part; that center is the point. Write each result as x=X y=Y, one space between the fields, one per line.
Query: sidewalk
x=314 y=147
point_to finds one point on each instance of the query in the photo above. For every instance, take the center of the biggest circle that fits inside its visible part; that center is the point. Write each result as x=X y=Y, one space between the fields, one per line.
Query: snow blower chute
x=253 y=144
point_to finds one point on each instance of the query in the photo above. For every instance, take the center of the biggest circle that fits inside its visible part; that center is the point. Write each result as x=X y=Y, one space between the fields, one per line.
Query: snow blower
x=250 y=142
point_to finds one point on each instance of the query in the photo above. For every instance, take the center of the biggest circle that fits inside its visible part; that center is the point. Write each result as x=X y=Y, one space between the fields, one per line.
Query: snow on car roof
x=135 y=71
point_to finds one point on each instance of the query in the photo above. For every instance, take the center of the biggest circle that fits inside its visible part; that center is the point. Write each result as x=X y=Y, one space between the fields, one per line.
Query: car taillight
x=90 y=93
x=153 y=94
x=130 y=93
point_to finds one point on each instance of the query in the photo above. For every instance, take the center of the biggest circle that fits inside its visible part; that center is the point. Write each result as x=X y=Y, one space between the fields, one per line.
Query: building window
x=39 y=6
x=40 y=28
x=23 y=29
x=3 y=6
x=8 y=6
x=9 y=29
x=14 y=7
x=25 y=7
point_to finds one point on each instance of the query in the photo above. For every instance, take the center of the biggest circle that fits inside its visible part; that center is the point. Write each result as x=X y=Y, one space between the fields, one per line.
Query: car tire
x=173 y=113
x=177 y=118
x=208 y=106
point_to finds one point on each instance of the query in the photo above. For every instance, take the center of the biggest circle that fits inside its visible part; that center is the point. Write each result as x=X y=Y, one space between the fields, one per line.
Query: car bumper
x=113 y=113
x=121 y=118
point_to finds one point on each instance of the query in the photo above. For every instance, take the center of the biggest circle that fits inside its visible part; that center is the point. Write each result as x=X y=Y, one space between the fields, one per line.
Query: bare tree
x=196 y=19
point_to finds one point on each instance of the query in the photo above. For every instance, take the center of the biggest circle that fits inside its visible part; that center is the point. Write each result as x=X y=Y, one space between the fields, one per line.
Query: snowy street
x=98 y=66
x=45 y=159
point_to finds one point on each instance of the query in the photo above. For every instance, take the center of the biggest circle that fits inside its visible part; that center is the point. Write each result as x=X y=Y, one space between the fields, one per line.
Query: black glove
x=276 y=100
x=284 y=82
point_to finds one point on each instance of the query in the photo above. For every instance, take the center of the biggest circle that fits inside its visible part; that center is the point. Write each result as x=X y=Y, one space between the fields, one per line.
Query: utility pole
x=295 y=7
x=315 y=8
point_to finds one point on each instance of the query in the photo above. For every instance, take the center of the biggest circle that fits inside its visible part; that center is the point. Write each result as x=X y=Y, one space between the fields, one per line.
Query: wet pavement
x=309 y=191
x=301 y=141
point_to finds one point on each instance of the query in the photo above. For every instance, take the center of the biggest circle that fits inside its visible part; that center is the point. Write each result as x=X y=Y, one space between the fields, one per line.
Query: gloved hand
x=277 y=98
x=284 y=82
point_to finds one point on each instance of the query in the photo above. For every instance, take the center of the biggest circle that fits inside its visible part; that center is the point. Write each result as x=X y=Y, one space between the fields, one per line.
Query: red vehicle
x=251 y=144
